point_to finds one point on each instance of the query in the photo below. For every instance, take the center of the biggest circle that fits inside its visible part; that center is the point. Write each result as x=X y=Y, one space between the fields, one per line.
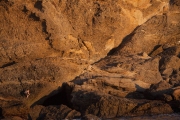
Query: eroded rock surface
x=158 y=33
x=109 y=87
x=73 y=29
x=103 y=59
x=58 y=112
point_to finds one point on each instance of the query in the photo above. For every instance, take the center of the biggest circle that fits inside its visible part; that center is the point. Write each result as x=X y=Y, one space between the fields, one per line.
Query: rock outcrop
x=89 y=58
x=73 y=29
x=158 y=33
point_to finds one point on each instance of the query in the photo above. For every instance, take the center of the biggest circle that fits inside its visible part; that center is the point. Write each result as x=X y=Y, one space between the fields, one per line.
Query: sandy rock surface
x=89 y=58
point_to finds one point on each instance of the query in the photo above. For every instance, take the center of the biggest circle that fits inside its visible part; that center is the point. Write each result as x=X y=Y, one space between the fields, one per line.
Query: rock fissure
x=8 y=64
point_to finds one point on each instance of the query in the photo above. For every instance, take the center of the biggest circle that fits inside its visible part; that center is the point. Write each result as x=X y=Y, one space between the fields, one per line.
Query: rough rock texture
x=35 y=111
x=58 y=113
x=161 y=89
x=74 y=29
x=158 y=33
x=120 y=76
x=170 y=64
x=113 y=54
x=176 y=94
x=108 y=88
x=90 y=116
x=106 y=105
x=40 y=77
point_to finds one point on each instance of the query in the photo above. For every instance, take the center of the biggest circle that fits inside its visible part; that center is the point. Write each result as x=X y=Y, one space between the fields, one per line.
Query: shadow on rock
x=136 y=94
x=1 y=115
x=58 y=97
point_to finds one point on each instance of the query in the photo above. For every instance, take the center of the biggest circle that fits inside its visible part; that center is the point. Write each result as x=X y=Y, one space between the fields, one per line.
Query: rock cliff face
x=100 y=58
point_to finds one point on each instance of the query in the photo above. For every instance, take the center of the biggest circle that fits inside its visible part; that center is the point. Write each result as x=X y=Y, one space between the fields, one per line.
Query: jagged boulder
x=110 y=107
x=152 y=108
x=176 y=94
x=160 y=90
x=105 y=105
x=170 y=65
x=58 y=113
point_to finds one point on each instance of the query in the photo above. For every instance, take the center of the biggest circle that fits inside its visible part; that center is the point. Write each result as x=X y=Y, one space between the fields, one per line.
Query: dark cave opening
x=60 y=96
x=175 y=105
x=1 y=115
